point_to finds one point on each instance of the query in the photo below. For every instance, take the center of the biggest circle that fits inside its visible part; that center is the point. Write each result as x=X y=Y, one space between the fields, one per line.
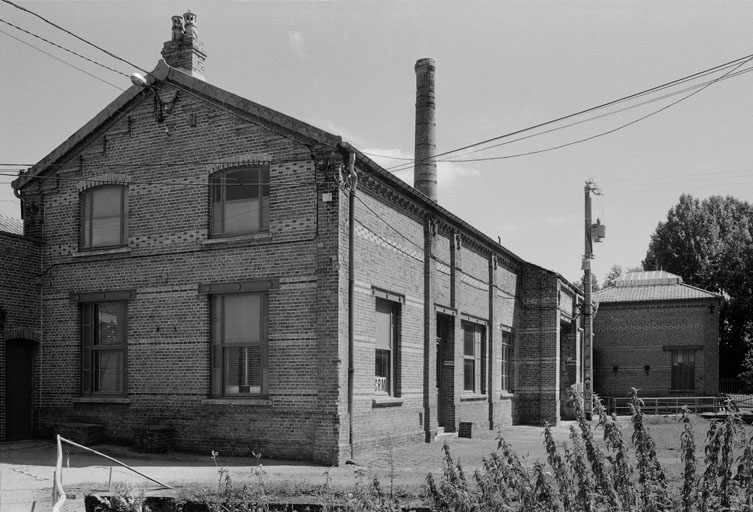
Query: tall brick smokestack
x=425 y=167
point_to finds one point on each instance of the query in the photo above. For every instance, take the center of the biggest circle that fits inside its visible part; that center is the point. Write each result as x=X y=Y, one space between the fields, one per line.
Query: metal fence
x=734 y=387
x=667 y=405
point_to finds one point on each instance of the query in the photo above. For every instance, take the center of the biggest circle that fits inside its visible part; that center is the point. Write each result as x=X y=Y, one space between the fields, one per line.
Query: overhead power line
x=74 y=35
x=155 y=85
x=62 y=48
x=61 y=60
x=735 y=64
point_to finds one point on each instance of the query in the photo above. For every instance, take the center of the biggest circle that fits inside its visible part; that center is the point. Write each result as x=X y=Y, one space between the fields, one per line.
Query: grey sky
x=347 y=67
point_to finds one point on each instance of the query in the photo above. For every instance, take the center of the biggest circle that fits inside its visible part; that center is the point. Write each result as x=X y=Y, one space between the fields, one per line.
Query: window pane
x=111 y=323
x=106 y=202
x=242 y=184
x=216 y=216
x=468 y=342
x=384 y=322
x=243 y=371
x=106 y=231
x=241 y=216
x=382 y=371
x=469 y=372
x=242 y=318
x=108 y=371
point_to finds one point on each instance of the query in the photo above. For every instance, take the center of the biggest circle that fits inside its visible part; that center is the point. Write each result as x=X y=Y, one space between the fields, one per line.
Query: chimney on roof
x=184 y=51
x=425 y=167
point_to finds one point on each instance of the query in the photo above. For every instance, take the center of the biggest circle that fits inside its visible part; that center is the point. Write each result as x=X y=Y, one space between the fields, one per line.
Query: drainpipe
x=353 y=177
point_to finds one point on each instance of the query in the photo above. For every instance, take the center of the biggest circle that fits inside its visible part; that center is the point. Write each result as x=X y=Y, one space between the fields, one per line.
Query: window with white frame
x=239 y=344
x=103 y=348
x=239 y=201
x=386 y=375
x=505 y=354
x=104 y=217
x=474 y=358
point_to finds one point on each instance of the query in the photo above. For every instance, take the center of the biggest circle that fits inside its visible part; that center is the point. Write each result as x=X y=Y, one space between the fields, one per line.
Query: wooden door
x=18 y=379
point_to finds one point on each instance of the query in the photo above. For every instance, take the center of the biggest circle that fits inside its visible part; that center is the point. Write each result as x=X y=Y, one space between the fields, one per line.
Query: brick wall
x=537 y=349
x=19 y=300
x=169 y=254
x=427 y=263
x=631 y=342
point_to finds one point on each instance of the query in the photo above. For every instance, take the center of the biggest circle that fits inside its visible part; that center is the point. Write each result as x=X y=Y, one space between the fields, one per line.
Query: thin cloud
x=297 y=43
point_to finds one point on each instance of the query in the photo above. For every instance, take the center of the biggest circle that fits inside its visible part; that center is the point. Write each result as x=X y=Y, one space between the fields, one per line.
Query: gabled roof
x=226 y=100
x=651 y=286
x=212 y=94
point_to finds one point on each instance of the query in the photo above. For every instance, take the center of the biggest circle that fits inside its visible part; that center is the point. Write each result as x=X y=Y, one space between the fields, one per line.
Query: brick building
x=255 y=283
x=657 y=334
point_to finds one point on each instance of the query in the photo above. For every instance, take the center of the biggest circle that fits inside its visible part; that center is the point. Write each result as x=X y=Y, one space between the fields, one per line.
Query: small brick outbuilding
x=655 y=333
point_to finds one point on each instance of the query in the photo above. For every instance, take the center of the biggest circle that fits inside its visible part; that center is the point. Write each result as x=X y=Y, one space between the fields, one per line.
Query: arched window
x=104 y=217
x=240 y=201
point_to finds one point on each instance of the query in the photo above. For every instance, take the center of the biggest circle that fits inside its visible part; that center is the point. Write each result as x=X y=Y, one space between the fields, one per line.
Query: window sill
x=387 y=401
x=235 y=240
x=259 y=402
x=505 y=395
x=101 y=400
x=101 y=252
x=473 y=397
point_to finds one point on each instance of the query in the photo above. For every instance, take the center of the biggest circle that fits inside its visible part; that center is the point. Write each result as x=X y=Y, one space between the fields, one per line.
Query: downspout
x=353 y=178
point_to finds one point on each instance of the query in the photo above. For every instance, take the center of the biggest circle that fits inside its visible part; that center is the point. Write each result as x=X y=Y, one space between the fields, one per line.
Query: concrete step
x=441 y=434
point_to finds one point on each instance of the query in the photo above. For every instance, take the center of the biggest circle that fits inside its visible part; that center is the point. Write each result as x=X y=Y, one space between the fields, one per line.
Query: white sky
x=347 y=67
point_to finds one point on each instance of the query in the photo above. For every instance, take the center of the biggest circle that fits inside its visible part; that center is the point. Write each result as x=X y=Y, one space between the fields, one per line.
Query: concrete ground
x=26 y=468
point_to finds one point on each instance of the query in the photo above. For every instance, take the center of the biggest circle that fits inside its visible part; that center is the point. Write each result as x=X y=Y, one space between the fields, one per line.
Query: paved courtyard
x=26 y=467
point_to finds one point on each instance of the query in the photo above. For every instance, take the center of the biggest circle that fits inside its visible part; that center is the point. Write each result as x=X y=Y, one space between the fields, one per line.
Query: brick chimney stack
x=425 y=167
x=184 y=51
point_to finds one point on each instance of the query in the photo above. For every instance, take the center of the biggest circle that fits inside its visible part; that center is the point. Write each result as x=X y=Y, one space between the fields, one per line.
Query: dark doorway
x=445 y=372
x=18 y=363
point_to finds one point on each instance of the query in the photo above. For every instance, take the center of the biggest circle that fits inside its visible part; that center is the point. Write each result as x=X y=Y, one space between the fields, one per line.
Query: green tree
x=615 y=272
x=710 y=244
x=580 y=285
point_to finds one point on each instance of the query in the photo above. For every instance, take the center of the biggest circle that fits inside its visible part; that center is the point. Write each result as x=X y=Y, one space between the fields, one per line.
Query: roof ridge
x=222 y=98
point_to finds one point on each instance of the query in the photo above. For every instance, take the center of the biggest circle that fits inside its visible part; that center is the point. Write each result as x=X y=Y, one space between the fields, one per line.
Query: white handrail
x=57 y=489
x=58 y=485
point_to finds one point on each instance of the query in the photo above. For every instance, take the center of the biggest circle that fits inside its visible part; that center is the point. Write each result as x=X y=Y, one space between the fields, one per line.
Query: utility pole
x=593 y=233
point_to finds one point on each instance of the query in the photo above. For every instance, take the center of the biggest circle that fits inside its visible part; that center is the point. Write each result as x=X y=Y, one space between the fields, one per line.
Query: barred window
x=683 y=370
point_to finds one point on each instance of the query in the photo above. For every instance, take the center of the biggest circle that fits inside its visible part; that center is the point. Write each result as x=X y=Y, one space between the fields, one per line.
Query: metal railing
x=58 y=493
x=734 y=387
x=667 y=405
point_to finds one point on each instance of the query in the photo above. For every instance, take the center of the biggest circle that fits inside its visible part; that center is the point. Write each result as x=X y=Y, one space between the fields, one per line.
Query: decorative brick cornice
x=390 y=194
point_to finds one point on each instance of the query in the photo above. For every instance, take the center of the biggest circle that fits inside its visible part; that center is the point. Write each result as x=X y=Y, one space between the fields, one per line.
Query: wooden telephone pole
x=593 y=233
